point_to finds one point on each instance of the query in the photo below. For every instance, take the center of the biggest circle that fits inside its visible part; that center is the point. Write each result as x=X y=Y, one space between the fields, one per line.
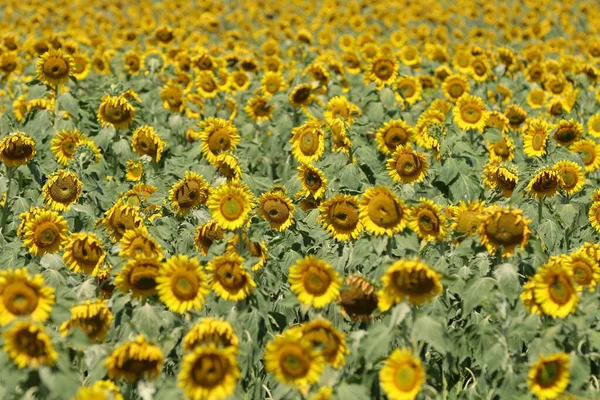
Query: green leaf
x=508 y=280
x=69 y=104
x=350 y=391
x=476 y=292
x=375 y=112
x=430 y=331
x=448 y=171
x=465 y=187
x=550 y=233
x=376 y=343
x=567 y=214
x=147 y=319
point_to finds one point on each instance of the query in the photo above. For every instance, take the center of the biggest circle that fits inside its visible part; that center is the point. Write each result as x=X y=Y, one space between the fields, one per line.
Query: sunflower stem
x=55 y=106
x=9 y=175
x=540 y=209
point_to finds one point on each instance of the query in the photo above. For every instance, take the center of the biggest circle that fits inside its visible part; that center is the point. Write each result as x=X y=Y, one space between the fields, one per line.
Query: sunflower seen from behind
x=135 y=359
x=23 y=295
x=549 y=376
x=230 y=204
x=228 y=277
x=402 y=375
x=182 y=285
x=382 y=212
x=93 y=318
x=28 y=345
x=314 y=281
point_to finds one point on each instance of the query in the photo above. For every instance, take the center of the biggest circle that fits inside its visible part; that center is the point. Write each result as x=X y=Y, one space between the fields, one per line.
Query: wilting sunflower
x=301 y=96
x=428 y=221
x=93 y=318
x=139 y=276
x=293 y=360
x=120 y=218
x=549 y=376
x=54 y=67
x=314 y=281
x=230 y=203
x=145 y=141
x=84 y=252
x=211 y=332
x=28 y=345
x=209 y=373
x=502 y=150
x=228 y=277
x=133 y=360
x=17 y=149
x=402 y=375
x=116 y=111
x=506 y=228
x=24 y=295
x=568 y=132
x=340 y=107
x=64 y=143
x=470 y=113
x=217 y=136
x=407 y=165
x=408 y=279
x=545 y=183
x=188 y=193
x=467 y=217
x=454 y=86
x=134 y=170
x=308 y=142
x=382 y=212
x=358 y=298
x=62 y=189
x=516 y=115
x=46 y=232
x=590 y=153
x=330 y=342
x=137 y=242
x=340 y=142
x=535 y=136
x=383 y=71
x=392 y=134
x=340 y=217
x=259 y=109
x=571 y=174
x=276 y=209
x=502 y=177
x=182 y=284
x=207 y=234
x=313 y=181
x=586 y=270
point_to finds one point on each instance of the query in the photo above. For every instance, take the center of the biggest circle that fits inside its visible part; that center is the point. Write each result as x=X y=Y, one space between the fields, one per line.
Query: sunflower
x=17 y=149
x=9 y=62
x=276 y=209
x=54 y=67
x=535 y=136
x=590 y=153
x=88 y=151
x=228 y=277
x=139 y=276
x=502 y=150
x=504 y=227
x=28 y=345
x=402 y=375
x=516 y=115
x=133 y=360
x=132 y=62
x=259 y=109
x=211 y=332
x=382 y=212
x=545 y=183
x=24 y=295
x=293 y=360
x=145 y=141
x=571 y=174
x=93 y=318
x=81 y=66
x=314 y=182
x=182 y=284
x=301 y=95
x=340 y=142
x=100 y=390
x=272 y=82
x=568 y=132
x=383 y=71
x=358 y=299
x=207 y=234
x=134 y=170
x=206 y=84
x=217 y=136
x=409 y=55
x=84 y=252
x=209 y=373
x=593 y=125
x=340 y=107
x=470 y=113
x=503 y=177
x=314 y=282
x=586 y=270
x=137 y=242
x=308 y=142
x=454 y=86
x=230 y=203
x=116 y=111
x=62 y=189
x=340 y=216
x=407 y=165
x=392 y=134
x=428 y=221
x=330 y=342
x=480 y=69
x=190 y=192
x=256 y=249
x=173 y=97
x=412 y=280
x=467 y=217
x=409 y=89
x=46 y=232
x=324 y=393
x=549 y=376
x=120 y=218
x=594 y=215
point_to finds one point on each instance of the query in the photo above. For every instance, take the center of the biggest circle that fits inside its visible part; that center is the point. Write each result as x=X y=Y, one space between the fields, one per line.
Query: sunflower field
x=346 y=200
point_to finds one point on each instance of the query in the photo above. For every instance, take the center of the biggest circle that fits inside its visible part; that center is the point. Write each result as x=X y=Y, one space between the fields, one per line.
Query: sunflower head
x=314 y=281
x=301 y=95
x=84 y=252
x=535 y=136
x=45 y=232
x=341 y=217
x=571 y=175
x=314 y=182
x=506 y=228
x=428 y=221
x=502 y=177
x=217 y=136
x=407 y=165
x=516 y=115
x=259 y=109
x=116 y=111
x=586 y=270
x=62 y=189
x=332 y=344
x=502 y=150
x=230 y=204
x=134 y=360
x=554 y=288
x=382 y=212
x=276 y=209
x=470 y=113
x=228 y=166
x=17 y=149
x=28 y=345
x=545 y=183
x=393 y=134
x=549 y=376
x=402 y=375
x=207 y=234
x=182 y=284
x=190 y=192
x=93 y=318
x=383 y=71
x=358 y=298
x=211 y=332
x=568 y=132
x=139 y=276
x=308 y=142
x=54 y=67
x=467 y=217
x=120 y=218
x=228 y=277
x=137 y=242
x=24 y=295
x=145 y=141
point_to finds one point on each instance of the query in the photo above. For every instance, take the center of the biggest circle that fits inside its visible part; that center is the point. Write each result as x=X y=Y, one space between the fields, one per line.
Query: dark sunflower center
x=27 y=342
x=395 y=136
x=56 y=67
x=343 y=216
x=428 y=221
x=316 y=281
x=277 y=210
x=560 y=290
x=384 y=211
x=19 y=298
x=64 y=189
x=219 y=140
x=383 y=69
x=548 y=374
x=293 y=362
x=209 y=370
x=505 y=230
x=231 y=276
x=185 y=285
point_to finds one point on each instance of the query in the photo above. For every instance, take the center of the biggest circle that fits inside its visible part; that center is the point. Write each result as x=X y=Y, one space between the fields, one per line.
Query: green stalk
x=540 y=209
x=9 y=174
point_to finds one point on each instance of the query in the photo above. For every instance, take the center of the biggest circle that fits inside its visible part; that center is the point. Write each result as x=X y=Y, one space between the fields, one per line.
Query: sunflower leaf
x=479 y=289
x=508 y=280
x=550 y=233
x=430 y=331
